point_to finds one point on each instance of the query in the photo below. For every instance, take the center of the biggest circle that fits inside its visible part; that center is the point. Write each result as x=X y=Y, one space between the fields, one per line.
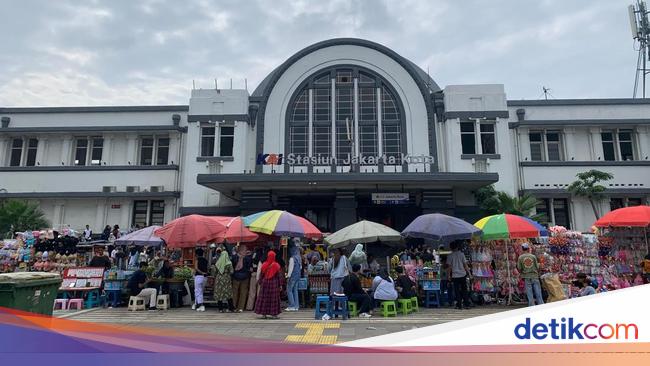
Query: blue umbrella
x=441 y=228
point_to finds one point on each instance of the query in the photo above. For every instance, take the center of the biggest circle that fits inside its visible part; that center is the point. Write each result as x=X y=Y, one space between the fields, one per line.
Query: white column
x=66 y=150
x=477 y=136
x=125 y=221
x=643 y=142
x=41 y=151
x=310 y=130
x=596 y=143
x=4 y=150
x=355 y=117
x=524 y=143
x=175 y=149
x=100 y=217
x=568 y=143
x=131 y=149
x=107 y=150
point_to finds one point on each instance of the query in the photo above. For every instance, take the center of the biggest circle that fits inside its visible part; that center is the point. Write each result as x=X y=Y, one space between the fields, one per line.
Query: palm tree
x=16 y=215
x=587 y=186
x=494 y=202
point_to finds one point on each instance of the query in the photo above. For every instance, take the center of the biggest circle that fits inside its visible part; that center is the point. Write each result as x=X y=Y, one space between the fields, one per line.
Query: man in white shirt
x=459 y=272
x=88 y=234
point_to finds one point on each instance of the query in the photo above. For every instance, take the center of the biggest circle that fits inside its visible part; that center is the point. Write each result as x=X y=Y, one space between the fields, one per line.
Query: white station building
x=345 y=129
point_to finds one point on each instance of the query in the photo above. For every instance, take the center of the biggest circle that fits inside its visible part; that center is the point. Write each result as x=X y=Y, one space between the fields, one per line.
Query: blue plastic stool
x=93 y=299
x=322 y=300
x=432 y=298
x=339 y=306
x=114 y=297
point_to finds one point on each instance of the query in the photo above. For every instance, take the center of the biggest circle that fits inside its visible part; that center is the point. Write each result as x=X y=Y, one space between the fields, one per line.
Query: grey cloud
x=148 y=52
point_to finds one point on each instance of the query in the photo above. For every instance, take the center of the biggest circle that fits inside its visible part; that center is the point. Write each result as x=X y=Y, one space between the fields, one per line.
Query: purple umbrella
x=441 y=228
x=143 y=237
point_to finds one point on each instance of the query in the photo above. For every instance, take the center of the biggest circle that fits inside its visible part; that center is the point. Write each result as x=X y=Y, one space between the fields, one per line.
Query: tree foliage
x=17 y=215
x=587 y=186
x=494 y=202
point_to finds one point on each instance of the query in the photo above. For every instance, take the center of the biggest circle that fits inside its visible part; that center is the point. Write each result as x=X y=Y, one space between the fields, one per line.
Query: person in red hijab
x=268 y=299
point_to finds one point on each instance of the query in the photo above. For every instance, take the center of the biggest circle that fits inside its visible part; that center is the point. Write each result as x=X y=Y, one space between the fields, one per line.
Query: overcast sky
x=66 y=53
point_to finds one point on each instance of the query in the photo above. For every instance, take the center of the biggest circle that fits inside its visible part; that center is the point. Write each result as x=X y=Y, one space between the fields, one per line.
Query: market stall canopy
x=363 y=232
x=190 y=231
x=282 y=223
x=441 y=228
x=508 y=226
x=636 y=216
x=236 y=231
x=142 y=237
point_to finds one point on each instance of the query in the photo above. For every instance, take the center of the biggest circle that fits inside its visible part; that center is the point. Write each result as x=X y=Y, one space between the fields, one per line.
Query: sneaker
x=201 y=308
x=153 y=309
x=326 y=317
x=365 y=315
x=193 y=306
x=240 y=311
x=288 y=309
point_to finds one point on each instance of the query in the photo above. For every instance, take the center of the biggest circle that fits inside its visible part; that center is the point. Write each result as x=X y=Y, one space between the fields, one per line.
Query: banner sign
x=390 y=198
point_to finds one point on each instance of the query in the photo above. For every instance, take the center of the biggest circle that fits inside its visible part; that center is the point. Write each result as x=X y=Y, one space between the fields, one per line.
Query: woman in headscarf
x=222 y=270
x=359 y=257
x=293 y=277
x=252 y=286
x=383 y=287
x=339 y=269
x=268 y=299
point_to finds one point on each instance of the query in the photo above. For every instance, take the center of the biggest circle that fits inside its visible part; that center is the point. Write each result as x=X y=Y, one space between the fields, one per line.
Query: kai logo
x=269 y=159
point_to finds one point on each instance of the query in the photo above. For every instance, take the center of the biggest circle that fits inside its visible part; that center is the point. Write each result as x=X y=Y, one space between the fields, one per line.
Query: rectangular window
x=367 y=104
x=157 y=213
x=207 y=141
x=98 y=147
x=542 y=209
x=140 y=213
x=368 y=141
x=298 y=140
x=616 y=203
x=226 y=140
x=343 y=143
x=488 y=139
x=553 y=146
x=32 y=148
x=344 y=104
x=81 y=151
x=322 y=104
x=389 y=108
x=625 y=144
x=536 y=146
x=561 y=212
x=344 y=77
x=467 y=137
x=634 y=202
x=146 y=151
x=322 y=141
x=162 y=151
x=16 y=152
x=609 y=148
x=392 y=144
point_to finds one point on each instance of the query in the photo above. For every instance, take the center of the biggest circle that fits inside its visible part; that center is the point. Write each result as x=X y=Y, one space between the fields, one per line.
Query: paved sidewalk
x=290 y=327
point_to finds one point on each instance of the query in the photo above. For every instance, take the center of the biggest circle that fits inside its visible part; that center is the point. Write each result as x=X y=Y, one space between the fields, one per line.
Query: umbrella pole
x=509 y=277
x=645 y=232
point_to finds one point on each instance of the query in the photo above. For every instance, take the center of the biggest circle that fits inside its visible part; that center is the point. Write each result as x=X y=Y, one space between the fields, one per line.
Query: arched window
x=346 y=112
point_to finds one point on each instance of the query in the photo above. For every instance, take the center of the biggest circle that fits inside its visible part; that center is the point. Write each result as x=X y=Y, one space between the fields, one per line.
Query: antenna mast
x=640 y=27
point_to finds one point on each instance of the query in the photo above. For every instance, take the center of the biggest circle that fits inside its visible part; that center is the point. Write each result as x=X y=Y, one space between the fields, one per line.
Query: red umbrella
x=190 y=231
x=236 y=231
x=637 y=216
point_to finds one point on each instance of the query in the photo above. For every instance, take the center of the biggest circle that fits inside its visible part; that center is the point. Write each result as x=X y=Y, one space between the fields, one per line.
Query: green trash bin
x=29 y=291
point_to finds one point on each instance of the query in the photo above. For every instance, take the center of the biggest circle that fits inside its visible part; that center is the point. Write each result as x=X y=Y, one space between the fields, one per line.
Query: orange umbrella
x=191 y=231
x=637 y=216
x=236 y=231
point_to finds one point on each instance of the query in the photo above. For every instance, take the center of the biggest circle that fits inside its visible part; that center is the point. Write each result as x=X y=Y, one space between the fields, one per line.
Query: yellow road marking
x=314 y=333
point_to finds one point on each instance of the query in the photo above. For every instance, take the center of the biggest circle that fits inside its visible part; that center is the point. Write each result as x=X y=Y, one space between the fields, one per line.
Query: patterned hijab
x=223 y=261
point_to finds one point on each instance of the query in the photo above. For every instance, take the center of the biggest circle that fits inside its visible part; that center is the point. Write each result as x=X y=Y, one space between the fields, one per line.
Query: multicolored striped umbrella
x=282 y=223
x=507 y=226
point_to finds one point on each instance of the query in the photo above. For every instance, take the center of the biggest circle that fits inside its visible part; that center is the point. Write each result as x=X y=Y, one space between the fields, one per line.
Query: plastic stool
x=432 y=298
x=321 y=300
x=352 y=308
x=414 y=304
x=78 y=303
x=162 y=302
x=339 y=306
x=93 y=299
x=404 y=305
x=388 y=308
x=62 y=302
x=137 y=303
